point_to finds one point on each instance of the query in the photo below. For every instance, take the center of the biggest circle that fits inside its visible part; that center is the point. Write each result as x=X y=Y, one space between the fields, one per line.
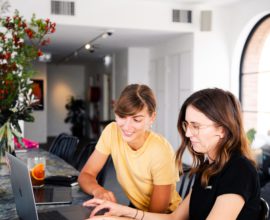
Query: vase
x=7 y=133
x=2 y=159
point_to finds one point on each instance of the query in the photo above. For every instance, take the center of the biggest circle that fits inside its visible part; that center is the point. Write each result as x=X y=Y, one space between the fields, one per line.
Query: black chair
x=84 y=154
x=186 y=182
x=83 y=157
x=264 y=213
x=53 y=145
x=64 y=146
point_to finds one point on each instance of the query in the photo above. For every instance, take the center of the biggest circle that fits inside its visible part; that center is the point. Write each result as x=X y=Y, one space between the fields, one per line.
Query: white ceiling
x=67 y=39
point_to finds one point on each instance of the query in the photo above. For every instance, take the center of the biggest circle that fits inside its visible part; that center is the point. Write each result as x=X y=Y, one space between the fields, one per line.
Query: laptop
x=25 y=200
x=47 y=195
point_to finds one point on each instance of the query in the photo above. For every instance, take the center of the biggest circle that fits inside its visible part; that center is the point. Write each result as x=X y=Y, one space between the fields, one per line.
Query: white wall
x=171 y=78
x=38 y=129
x=121 y=70
x=217 y=53
x=63 y=81
x=138 y=65
x=110 y=14
x=99 y=74
x=243 y=16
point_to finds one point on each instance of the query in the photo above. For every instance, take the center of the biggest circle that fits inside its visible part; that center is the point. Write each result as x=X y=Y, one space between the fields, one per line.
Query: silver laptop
x=25 y=200
x=46 y=195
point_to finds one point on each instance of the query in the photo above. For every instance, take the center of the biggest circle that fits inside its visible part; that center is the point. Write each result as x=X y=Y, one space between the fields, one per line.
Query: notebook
x=25 y=200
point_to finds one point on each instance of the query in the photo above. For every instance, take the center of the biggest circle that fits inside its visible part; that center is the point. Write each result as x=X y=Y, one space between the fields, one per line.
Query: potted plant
x=20 y=44
x=76 y=116
x=251 y=135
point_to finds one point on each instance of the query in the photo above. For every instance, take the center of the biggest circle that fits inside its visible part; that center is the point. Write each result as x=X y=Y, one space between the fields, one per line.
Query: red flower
x=39 y=53
x=24 y=25
x=29 y=33
x=2 y=36
x=7 y=56
x=16 y=40
x=45 y=42
x=53 y=27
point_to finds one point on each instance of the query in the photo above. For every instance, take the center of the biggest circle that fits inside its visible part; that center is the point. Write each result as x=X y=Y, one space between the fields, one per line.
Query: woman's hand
x=102 y=218
x=108 y=218
x=104 y=194
x=114 y=208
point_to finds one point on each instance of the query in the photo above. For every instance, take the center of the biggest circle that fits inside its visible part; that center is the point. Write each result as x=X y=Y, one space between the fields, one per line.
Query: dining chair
x=186 y=182
x=53 y=146
x=83 y=157
x=264 y=213
x=84 y=154
x=64 y=146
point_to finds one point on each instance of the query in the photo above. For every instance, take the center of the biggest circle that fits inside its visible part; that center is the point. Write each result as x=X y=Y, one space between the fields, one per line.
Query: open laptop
x=46 y=195
x=25 y=200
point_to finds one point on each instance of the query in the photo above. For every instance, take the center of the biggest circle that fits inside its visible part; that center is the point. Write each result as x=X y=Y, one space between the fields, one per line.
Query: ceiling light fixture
x=107 y=60
x=88 y=46
x=92 y=50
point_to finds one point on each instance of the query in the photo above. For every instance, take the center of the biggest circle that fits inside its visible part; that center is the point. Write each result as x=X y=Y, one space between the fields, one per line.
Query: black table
x=54 y=166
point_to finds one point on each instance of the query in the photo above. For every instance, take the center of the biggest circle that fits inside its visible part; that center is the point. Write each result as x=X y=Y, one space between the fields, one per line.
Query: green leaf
x=251 y=135
x=2 y=131
x=10 y=140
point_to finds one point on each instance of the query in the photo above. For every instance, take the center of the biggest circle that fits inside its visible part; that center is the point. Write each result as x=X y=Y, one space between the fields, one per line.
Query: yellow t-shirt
x=137 y=171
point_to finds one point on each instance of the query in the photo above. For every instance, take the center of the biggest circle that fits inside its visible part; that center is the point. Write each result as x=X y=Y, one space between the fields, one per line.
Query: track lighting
x=109 y=33
x=92 y=50
x=105 y=35
x=88 y=46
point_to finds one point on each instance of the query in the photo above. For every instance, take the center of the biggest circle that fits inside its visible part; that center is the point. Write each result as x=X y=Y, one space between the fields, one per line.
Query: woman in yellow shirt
x=143 y=160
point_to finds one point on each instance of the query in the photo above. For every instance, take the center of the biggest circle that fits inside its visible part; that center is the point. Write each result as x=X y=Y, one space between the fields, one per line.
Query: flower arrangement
x=20 y=44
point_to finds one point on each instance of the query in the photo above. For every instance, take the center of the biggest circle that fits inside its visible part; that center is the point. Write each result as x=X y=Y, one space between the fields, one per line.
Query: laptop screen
x=25 y=201
x=22 y=188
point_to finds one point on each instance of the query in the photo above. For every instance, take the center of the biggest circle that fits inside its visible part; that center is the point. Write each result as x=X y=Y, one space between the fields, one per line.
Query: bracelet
x=136 y=214
x=142 y=215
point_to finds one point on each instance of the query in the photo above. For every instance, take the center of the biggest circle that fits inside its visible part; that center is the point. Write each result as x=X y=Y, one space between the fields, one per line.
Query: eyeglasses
x=194 y=128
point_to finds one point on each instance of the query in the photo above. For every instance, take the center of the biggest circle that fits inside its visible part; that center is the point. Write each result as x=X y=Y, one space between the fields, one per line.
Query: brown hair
x=133 y=99
x=224 y=110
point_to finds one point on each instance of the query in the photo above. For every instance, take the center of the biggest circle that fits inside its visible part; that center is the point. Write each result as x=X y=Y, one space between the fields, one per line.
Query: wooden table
x=54 y=166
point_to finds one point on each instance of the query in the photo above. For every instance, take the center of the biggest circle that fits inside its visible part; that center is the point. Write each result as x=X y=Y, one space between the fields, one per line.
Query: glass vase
x=7 y=134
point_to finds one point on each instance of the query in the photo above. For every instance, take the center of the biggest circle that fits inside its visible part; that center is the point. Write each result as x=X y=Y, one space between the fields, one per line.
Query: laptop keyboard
x=51 y=215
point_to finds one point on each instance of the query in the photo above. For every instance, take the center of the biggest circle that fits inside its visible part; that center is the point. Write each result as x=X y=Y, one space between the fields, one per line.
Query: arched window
x=255 y=78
